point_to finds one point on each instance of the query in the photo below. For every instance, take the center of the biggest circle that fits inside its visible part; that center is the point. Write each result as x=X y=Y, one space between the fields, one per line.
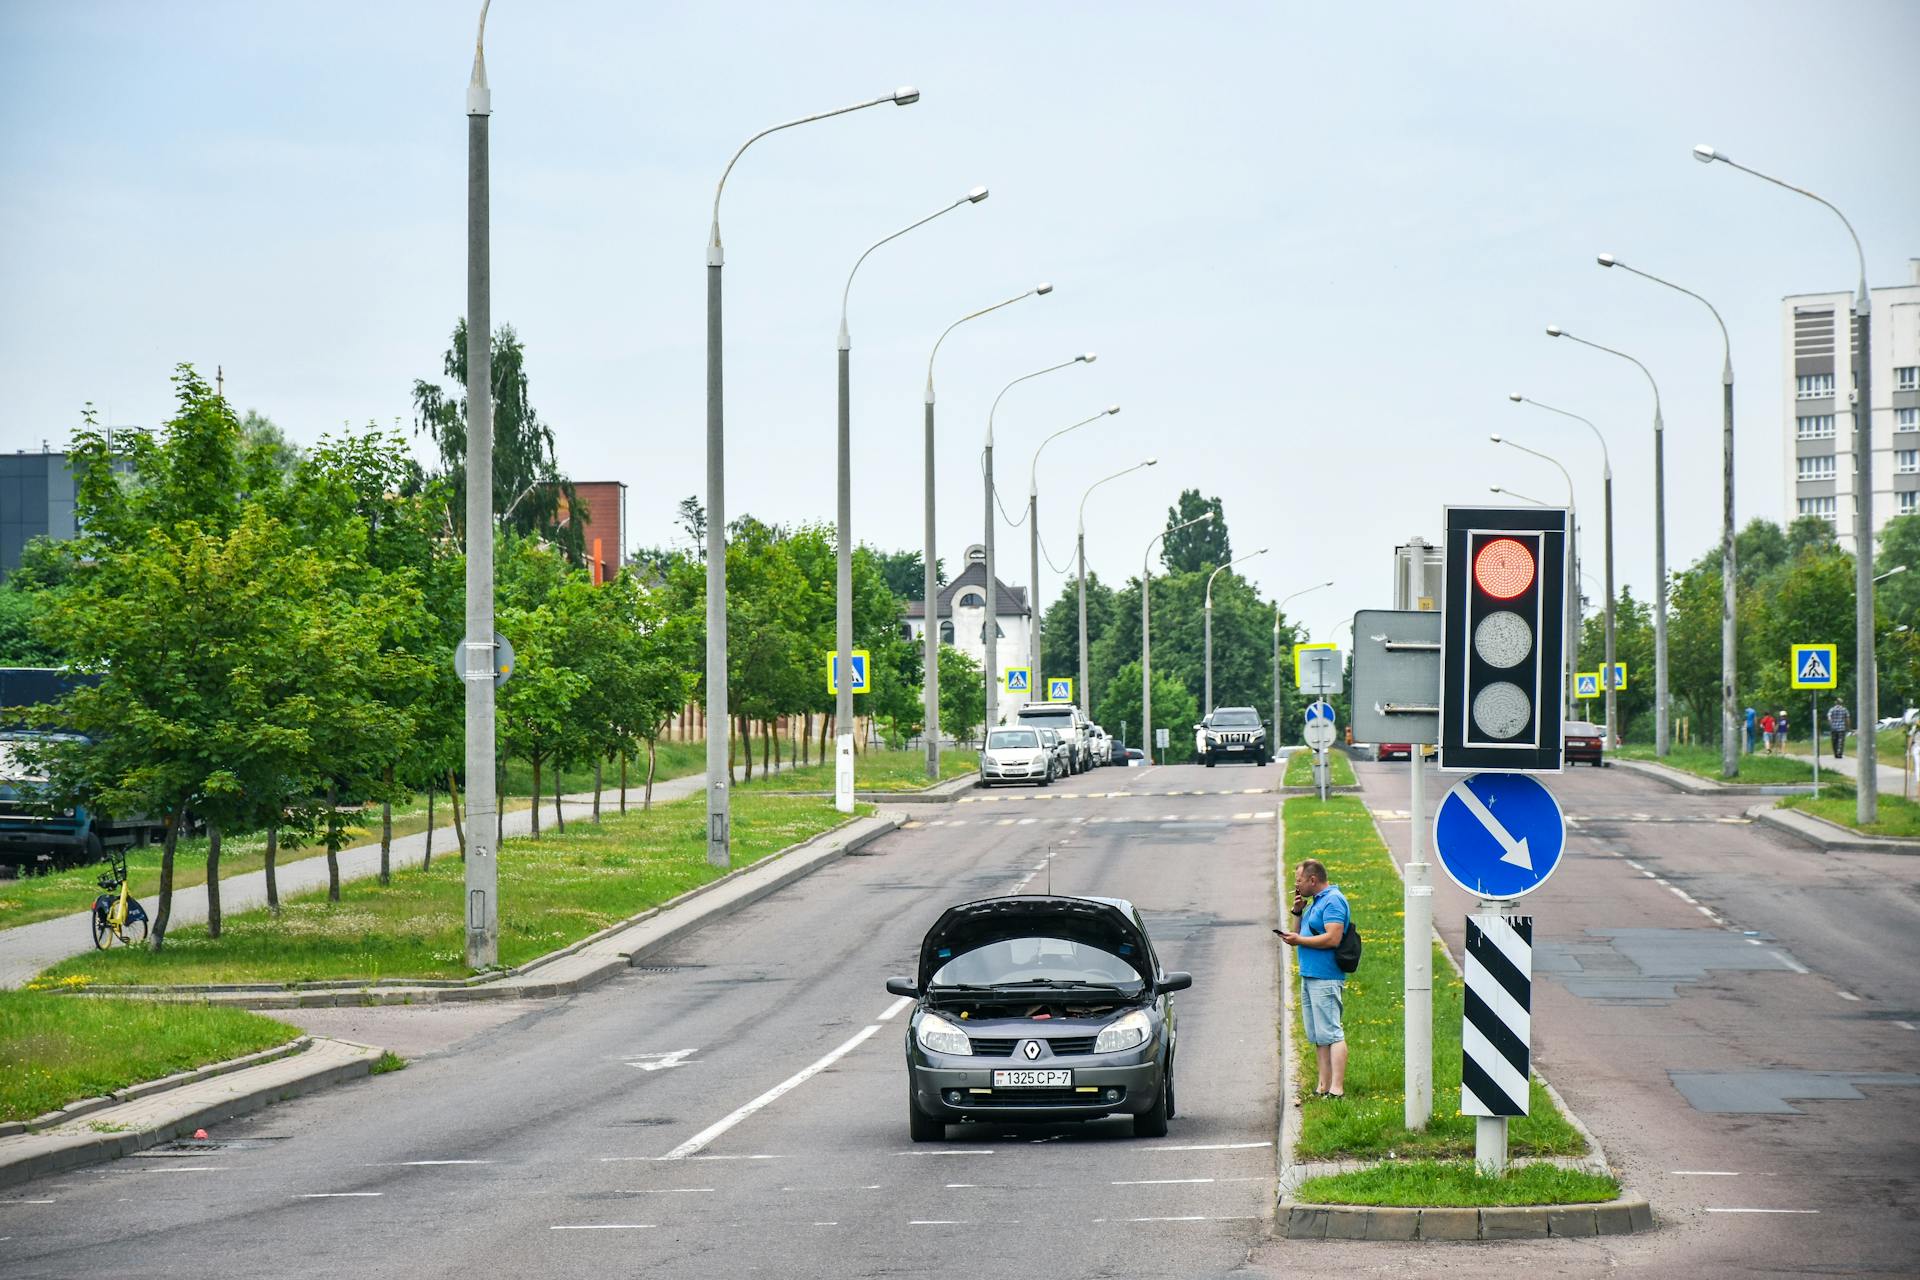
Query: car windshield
x=1016 y=960
x=1011 y=739
x=1581 y=729
x=1235 y=719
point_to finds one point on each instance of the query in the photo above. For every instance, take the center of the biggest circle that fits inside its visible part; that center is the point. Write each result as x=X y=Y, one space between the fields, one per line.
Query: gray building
x=1816 y=405
x=36 y=500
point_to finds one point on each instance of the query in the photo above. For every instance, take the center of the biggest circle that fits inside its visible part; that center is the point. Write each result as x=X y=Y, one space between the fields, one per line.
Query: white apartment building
x=1816 y=409
x=961 y=614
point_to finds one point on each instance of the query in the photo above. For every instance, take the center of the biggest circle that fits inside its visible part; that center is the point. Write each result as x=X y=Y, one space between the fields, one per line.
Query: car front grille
x=985 y=1048
x=1228 y=736
x=1062 y=1046
x=1052 y=1099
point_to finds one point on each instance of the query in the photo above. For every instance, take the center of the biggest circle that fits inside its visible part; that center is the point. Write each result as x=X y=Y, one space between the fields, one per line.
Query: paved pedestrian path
x=1891 y=778
x=27 y=950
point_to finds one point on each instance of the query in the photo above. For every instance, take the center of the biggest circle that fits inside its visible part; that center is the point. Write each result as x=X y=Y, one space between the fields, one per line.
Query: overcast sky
x=1314 y=247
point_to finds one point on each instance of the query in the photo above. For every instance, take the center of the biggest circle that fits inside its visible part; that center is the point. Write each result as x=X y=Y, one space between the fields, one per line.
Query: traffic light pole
x=1416 y=948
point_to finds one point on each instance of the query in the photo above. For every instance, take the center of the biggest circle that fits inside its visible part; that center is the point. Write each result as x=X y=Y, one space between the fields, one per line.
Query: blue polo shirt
x=1329 y=906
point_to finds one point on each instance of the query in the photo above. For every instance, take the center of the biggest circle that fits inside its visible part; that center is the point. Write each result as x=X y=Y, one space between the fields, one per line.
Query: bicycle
x=117 y=914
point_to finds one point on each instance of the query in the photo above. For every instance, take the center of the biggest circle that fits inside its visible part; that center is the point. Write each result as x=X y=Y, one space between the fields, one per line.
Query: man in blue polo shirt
x=1324 y=916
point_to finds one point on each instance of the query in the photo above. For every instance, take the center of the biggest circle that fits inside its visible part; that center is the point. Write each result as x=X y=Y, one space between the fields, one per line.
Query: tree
x=1203 y=546
x=531 y=496
x=1060 y=629
x=963 y=694
x=1899 y=596
x=1809 y=533
x=906 y=572
x=535 y=708
x=1174 y=709
x=265 y=446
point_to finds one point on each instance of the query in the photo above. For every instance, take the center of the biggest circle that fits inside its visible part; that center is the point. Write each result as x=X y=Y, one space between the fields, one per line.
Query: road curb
x=146 y=1088
x=1828 y=837
x=235 y=1088
x=1694 y=785
x=940 y=793
x=576 y=967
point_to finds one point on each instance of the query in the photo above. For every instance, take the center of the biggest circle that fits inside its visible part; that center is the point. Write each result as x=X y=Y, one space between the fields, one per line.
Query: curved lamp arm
x=1033 y=472
x=1555 y=331
x=1040 y=290
x=1084 y=358
x=974 y=196
x=1145 y=555
x=1606 y=461
x=1138 y=466
x=1726 y=343
x=1228 y=565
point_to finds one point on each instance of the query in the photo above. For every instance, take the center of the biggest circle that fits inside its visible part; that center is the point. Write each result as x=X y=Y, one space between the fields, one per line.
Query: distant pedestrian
x=1324 y=916
x=1780 y=727
x=1752 y=720
x=1838 y=722
x=1766 y=733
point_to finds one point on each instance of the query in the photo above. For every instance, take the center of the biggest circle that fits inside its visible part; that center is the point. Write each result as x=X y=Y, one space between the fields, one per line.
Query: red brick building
x=604 y=531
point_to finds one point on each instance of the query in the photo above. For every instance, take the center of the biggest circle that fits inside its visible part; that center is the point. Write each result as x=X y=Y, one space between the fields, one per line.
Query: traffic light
x=1502 y=654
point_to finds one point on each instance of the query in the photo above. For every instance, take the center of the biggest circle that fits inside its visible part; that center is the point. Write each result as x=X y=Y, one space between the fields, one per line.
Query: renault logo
x=1032 y=1049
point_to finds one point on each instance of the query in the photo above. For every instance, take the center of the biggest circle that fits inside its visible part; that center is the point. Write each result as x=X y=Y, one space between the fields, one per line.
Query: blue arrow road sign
x=1499 y=835
x=1318 y=711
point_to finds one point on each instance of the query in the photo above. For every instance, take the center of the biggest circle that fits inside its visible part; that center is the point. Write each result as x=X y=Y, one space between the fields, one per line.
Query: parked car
x=1065 y=719
x=1035 y=1009
x=1135 y=756
x=1098 y=745
x=1403 y=751
x=1231 y=733
x=1116 y=752
x=1016 y=755
x=1057 y=747
x=1585 y=743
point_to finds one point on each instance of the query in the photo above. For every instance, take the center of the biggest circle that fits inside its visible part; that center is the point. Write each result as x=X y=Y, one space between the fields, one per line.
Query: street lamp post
x=1277 y=610
x=1729 y=658
x=719 y=819
x=1146 y=640
x=991 y=635
x=1208 y=620
x=1572 y=646
x=1080 y=554
x=482 y=874
x=931 y=684
x=1867 y=691
x=1606 y=472
x=1660 y=707
x=1033 y=540
x=843 y=575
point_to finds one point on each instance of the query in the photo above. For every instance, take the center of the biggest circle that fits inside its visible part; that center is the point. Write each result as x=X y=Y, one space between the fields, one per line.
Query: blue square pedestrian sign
x=1814 y=666
x=862 y=682
x=1586 y=684
x=1019 y=679
x=1059 y=689
x=1619 y=676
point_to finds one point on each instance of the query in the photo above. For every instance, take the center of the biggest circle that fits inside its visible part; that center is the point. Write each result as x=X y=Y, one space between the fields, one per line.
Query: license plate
x=1033 y=1079
x=1234 y=746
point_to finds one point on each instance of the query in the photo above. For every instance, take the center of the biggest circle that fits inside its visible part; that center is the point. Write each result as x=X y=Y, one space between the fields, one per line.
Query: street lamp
x=843 y=576
x=1033 y=539
x=482 y=875
x=1899 y=568
x=1080 y=551
x=931 y=685
x=1660 y=708
x=719 y=822
x=1572 y=646
x=1208 y=709
x=1867 y=693
x=1729 y=658
x=1606 y=474
x=1275 y=735
x=1146 y=645
x=991 y=636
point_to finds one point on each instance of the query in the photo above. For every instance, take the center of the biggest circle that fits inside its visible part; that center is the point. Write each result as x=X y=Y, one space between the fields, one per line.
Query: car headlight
x=1125 y=1032
x=937 y=1035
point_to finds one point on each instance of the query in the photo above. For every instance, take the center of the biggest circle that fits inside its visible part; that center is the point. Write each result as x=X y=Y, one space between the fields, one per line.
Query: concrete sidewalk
x=1892 y=779
x=30 y=948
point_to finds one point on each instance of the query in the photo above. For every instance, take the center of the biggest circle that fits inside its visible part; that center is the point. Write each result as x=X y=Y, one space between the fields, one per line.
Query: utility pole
x=477 y=666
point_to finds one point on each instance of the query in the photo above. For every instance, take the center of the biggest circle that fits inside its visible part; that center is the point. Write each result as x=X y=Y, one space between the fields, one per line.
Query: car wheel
x=925 y=1128
x=1153 y=1123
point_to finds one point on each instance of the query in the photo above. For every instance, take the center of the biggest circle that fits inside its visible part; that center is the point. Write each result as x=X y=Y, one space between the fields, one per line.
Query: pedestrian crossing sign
x=1619 y=677
x=1019 y=679
x=1586 y=684
x=1059 y=689
x=862 y=682
x=1813 y=666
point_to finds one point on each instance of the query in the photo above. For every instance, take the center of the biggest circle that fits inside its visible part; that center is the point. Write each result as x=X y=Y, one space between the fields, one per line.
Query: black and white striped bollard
x=1495 y=1029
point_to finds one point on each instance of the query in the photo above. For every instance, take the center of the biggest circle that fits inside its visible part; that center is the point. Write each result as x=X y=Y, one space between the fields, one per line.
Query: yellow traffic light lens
x=1502 y=710
x=1503 y=639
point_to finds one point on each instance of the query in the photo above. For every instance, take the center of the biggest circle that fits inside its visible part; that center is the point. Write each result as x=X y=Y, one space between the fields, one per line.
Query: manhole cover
x=200 y=1146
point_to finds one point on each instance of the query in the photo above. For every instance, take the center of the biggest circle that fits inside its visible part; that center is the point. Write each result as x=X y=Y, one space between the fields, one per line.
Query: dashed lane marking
x=663 y=1191
x=1703 y=1173
x=1847 y=995
x=1157 y=1182
x=341 y=1195
x=1212 y=1146
x=700 y=1140
x=1763 y=1211
x=887 y=1015
x=602 y=1226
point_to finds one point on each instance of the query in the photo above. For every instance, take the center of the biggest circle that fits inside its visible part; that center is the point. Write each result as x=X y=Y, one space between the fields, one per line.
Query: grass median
x=553 y=891
x=1899 y=818
x=1300 y=769
x=1704 y=762
x=880 y=771
x=1368 y=1122
x=1457 y=1183
x=55 y=1049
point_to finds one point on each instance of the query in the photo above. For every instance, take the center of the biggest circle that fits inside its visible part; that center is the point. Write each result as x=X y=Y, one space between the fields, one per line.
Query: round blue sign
x=1499 y=835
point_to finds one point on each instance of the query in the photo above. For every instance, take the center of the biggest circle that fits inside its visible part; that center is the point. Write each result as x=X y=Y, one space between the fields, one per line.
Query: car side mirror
x=902 y=987
x=1174 y=980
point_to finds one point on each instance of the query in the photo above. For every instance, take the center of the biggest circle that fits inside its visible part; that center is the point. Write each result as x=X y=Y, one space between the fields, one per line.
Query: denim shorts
x=1320 y=1004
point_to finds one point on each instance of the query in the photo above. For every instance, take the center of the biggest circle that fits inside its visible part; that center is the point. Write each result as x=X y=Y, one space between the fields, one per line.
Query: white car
x=1016 y=755
x=1065 y=719
x=1100 y=746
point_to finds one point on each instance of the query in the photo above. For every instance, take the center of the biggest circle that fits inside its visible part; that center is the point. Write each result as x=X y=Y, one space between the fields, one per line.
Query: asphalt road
x=737 y=1107
x=1699 y=982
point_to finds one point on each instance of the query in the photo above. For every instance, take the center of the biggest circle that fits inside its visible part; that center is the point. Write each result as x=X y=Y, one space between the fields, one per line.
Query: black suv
x=1233 y=733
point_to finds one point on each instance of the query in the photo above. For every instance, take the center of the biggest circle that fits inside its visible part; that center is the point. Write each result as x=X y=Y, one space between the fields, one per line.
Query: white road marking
x=1005 y=822
x=26 y=1202
x=1847 y=995
x=189 y=1168
x=1702 y=1173
x=1789 y=961
x=603 y=1226
x=663 y=1191
x=1684 y=896
x=1027 y=822
x=341 y=1195
x=936 y=1222
x=970 y=1151
x=412 y=1163
x=1242 y=817
x=826 y=1224
x=661 y=1061
x=715 y=1157
x=1213 y=1146
x=798 y=1078
x=960 y=1186
x=887 y=1015
x=1904 y=1026
x=1763 y=1211
x=1754 y=941
x=1194 y=1218
x=958 y=822
x=1158 y=1182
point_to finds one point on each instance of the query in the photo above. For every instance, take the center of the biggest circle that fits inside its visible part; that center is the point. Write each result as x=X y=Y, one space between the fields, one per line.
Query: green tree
x=1060 y=630
x=1899 y=596
x=1203 y=546
x=963 y=694
x=905 y=572
x=1809 y=533
x=266 y=448
x=1174 y=709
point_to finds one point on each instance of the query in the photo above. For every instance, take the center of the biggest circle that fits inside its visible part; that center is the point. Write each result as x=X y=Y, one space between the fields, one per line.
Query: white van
x=1064 y=718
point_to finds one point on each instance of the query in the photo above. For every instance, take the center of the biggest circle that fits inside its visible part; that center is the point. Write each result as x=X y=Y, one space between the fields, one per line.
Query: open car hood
x=973 y=925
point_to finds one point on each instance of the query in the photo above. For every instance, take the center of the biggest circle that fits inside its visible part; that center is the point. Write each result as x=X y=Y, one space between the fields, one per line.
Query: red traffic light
x=1503 y=568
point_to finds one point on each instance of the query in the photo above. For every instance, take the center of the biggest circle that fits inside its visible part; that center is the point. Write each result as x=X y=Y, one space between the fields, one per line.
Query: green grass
x=1300 y=769
x=1899 y=818
x=1457 y=1183
x=387 y=1061
x=880 y=771
x=553 y=891
x=1368 y=1122
x=671 y=760
x=56 y=1049
x=1704 y=761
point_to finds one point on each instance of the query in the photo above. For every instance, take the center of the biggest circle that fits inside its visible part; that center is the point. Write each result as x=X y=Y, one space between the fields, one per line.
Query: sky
x=1315 y=246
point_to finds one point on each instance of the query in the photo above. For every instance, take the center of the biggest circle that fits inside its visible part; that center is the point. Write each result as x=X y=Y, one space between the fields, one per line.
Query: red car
x=1402 y=751
x=1585 y=743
